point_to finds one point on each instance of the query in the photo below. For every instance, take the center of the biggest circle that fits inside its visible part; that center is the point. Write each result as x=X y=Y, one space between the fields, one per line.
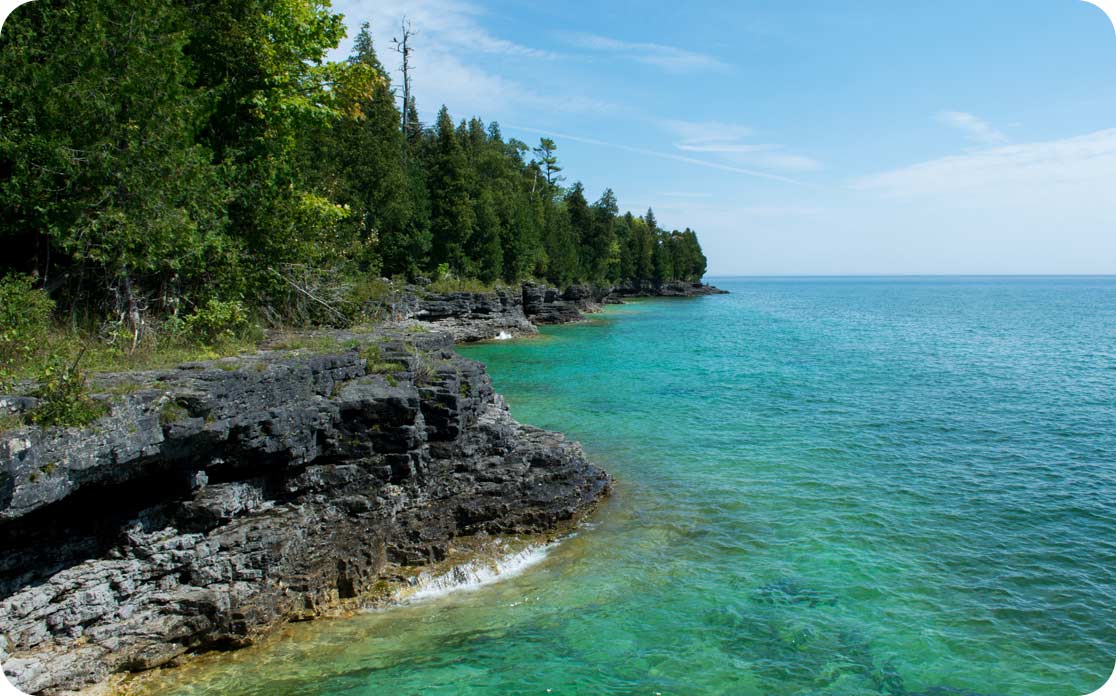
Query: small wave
x=504 y=336
x=473 y=575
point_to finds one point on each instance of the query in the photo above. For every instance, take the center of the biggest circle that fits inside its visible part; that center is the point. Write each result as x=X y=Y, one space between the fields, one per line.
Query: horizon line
x=911 y=275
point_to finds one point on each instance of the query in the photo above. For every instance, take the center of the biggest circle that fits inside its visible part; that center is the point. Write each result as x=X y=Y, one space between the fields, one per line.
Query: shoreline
x=477 y=563
x=53 y=645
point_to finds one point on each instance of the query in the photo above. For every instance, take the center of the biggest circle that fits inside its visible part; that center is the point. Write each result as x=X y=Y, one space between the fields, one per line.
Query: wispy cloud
x=451 y=22
x=449 y=37
x=727 y=141
x=661 y=155
x=669 y=58
x=975 y=128
x=1082 y=163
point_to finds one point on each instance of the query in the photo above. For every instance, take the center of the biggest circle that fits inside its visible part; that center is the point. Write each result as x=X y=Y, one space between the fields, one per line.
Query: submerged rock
x=788 y=591
x=217 y=500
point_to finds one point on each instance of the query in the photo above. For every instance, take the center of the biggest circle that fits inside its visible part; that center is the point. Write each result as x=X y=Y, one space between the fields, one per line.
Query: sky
x=807 y=137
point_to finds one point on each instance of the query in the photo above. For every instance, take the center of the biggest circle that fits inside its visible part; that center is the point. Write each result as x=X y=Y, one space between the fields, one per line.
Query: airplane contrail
x=661 y=155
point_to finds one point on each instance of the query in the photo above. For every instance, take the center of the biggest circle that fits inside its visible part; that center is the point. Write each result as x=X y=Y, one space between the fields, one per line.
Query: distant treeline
x=164 y=153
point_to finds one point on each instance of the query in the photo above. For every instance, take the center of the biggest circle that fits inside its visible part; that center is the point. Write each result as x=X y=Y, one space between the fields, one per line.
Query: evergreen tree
x=561 y=248
x=601 y=250
x=452 y=217
x=581 y=228
x=186 y=150
x=99 y=155
x=486 y=251
x=548 y=161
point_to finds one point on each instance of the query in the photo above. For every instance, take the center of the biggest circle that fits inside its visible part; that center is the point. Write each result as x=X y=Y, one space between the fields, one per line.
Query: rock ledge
x=220 y=499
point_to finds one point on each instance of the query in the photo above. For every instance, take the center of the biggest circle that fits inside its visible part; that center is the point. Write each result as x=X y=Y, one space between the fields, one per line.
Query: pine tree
x=452 y=217
x=548 y=161
x=486 y=250
x=602 y=251
x=581 y=229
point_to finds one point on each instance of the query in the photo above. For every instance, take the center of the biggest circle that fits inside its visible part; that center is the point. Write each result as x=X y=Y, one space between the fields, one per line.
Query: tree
x=404 y=49
x=581 y=228
x=602 y=252
x=548 y=161
x=486 y=250
x=451 y=208
x=103 y=179
x=262 y=65
x=561 y=248
x=365 y=153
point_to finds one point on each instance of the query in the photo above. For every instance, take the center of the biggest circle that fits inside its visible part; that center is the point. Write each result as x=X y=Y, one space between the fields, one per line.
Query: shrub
x=24 y=323
x=451 y=284
x=217 y=322
x=64 y=396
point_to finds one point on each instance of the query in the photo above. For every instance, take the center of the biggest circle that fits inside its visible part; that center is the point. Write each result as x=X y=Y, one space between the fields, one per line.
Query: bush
x=24 y=323
x=451 y=285
x=217 y=322
x=64 y=396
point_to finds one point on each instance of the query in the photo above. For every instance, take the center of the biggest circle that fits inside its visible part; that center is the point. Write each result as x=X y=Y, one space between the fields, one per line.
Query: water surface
x=825 y=486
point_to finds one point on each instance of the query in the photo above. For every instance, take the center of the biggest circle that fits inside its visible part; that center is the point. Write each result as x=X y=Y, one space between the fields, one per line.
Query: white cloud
x=450 y=22
x=706 y=132
x=1079 y=163
x=448 y=38
x=669 y=58
x=975 y=128
x=726 y=140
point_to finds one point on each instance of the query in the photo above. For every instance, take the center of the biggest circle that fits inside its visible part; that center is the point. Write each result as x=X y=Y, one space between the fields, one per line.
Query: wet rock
x=220 y=499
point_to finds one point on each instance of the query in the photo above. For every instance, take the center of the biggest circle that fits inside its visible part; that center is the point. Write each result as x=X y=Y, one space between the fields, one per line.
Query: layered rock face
x=674 y=288
x=475 y=316
x=478 y=316
x=219 y=499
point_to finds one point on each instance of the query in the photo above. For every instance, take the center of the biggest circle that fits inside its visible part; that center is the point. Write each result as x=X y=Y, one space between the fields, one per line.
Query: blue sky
x=807 y=137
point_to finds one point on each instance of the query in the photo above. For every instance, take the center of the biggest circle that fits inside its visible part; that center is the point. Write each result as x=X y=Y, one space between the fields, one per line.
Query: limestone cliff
x=478 y=316
x=219 y=499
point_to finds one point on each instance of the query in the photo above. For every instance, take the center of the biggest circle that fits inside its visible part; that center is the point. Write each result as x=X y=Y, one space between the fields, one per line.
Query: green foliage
x=172 y=412
x=451 y=284
x=452 y=217
x=63 y=394
x=24 y=323
x=217 y=322
x=10 y=422
x=165 y=154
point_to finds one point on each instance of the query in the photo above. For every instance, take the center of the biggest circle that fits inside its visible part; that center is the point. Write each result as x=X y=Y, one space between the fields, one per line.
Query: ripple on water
x=841 y=487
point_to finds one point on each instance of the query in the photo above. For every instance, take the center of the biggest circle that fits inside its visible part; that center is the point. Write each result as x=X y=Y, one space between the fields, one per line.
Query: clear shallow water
x=825 y=486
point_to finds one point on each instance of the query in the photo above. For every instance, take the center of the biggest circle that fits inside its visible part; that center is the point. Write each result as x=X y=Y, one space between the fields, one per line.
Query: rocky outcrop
x=474 y=316
x=505 y=313
x=546 y=305
x=217 y=500
x=673 y=288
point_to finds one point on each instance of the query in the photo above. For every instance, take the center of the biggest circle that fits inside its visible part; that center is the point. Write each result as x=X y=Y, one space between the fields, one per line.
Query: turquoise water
x=825 y=486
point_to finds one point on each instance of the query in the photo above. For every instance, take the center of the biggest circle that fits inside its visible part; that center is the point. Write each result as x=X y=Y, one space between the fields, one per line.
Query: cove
x=891 y=486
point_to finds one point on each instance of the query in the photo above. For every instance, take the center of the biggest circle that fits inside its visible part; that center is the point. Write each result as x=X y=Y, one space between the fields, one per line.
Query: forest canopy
x=157 y=155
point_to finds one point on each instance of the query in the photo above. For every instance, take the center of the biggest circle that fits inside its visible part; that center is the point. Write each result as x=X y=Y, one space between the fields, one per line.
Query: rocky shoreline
x=509 y=312
x=218 y=500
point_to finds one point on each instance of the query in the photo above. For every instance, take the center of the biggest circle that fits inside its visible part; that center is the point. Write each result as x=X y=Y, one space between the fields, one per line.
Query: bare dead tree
x=403 y=48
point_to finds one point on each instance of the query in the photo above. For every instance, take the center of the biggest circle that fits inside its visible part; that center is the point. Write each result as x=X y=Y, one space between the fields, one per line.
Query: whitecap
x=476 y=574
